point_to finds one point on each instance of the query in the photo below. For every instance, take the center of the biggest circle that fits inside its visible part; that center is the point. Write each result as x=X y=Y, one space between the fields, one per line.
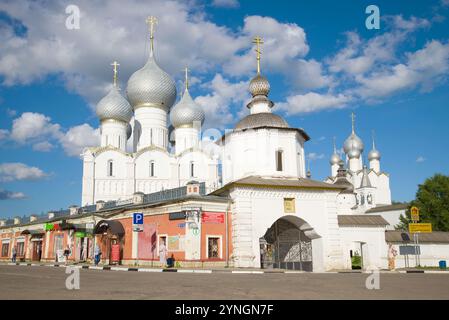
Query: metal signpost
x=137 y=226
x=417 y=228
x=414 y=214
x=138 y=222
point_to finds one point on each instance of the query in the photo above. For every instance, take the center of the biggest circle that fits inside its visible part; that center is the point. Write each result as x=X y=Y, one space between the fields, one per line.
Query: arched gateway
x=110 y=237
x=287 y=244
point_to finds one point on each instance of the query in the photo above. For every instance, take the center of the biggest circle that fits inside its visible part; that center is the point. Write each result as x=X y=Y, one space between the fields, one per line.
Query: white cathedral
x=260 y=166
x=166 y=156
x=112 y=173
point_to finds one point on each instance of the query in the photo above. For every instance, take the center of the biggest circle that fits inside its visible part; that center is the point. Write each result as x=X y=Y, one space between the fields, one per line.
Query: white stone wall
x=131 y=173
x=368 y=241
x=113 y=133
x=255 y=210
x=150 y=128
x=431 y=254
x=253 y=152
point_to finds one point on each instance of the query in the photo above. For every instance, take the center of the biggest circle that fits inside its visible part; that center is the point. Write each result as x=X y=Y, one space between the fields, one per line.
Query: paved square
x=29 y=282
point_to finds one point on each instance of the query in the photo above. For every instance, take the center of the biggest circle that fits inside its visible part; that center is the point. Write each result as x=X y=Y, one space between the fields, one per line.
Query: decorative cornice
x=150 y=148
x=99 y=150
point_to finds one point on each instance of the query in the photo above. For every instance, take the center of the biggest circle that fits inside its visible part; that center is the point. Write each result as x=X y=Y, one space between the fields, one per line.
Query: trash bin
x=442 y=264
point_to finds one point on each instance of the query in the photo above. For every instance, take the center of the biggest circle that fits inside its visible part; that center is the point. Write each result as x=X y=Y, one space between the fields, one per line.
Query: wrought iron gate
x=285 y=246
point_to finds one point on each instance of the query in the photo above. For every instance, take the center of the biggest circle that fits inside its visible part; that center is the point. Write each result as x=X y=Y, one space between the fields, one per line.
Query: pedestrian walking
x=67 y=254
x=97 y=254
x=14 y=254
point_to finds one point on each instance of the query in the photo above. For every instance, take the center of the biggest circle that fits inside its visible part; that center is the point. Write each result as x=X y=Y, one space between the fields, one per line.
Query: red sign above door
x=212 y=217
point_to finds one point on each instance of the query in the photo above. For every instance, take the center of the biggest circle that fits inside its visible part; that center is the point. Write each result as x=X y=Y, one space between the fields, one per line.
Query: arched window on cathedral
x=110 y=168
x=192 y=169
x=152 y=168
x=279 y=160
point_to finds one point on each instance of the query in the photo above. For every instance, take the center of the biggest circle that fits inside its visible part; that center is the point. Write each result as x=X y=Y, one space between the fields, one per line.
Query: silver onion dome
x=259 y=85
x=186 y=112
x=353 y=146
x=151 y=86
x=114 y=106
x=335 y=159
x=374 y=155
x=263 y=119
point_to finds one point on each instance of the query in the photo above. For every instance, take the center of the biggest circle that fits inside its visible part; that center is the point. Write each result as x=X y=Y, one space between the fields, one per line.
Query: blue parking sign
x=138 y=218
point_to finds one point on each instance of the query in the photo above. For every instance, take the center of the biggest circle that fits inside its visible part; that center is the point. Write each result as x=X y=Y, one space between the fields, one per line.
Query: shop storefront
x=36 y=243
x=110 y=237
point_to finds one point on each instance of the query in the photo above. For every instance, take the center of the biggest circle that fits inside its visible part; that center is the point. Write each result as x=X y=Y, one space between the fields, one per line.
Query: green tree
x=432 y=199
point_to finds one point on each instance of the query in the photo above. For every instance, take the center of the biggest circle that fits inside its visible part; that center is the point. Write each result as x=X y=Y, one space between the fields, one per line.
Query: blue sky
x=321 y=60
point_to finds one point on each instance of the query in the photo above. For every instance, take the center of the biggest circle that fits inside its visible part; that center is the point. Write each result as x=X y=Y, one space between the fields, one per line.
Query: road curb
x=209 y=271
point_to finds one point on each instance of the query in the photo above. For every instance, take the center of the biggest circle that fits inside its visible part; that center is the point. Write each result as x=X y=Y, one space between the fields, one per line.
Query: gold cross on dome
x=152 y=22
x=258 y=41
x=115 y=65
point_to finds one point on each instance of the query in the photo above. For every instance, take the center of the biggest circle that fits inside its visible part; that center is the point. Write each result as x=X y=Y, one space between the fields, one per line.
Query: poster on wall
x=175 y=243
x=60 y=255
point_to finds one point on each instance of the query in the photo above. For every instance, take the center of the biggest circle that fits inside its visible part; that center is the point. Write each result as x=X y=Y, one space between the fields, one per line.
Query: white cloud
x=9 y=195
x=31 y=126
x=4 y=134
x=285 y=46
x=13 y=171
x=79 y=137
x=107 y=32
x=424 y=69
x=312 y=156
x=11 y=112
x=412 y=24
x=216 y=105
x=39 y=131
x=420 y=159
x=313 y=102
x=226 y=3
x=43 y=146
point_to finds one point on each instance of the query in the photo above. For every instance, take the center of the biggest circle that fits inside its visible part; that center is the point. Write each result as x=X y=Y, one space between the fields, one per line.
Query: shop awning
x=114 y=226
x=35 y=233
